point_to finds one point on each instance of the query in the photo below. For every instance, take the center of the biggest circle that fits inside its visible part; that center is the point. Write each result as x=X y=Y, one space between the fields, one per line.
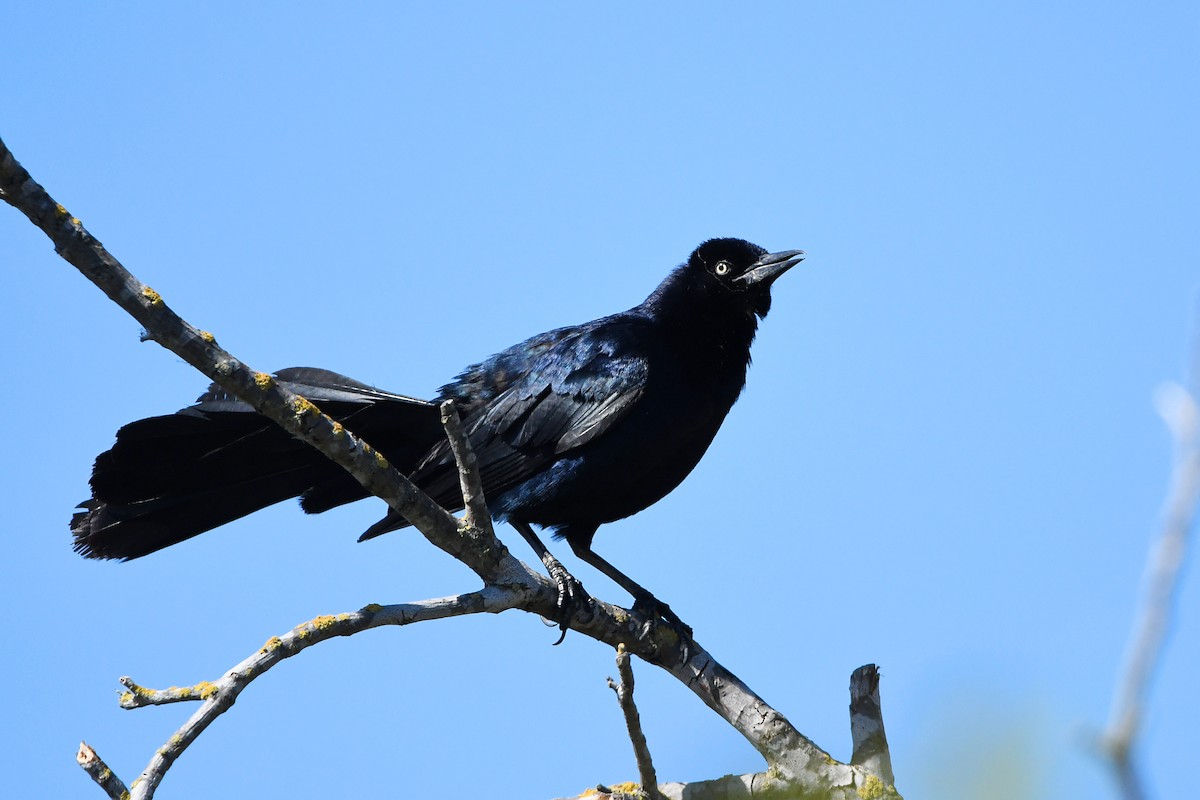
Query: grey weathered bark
x=794 y=761
x=866 y=724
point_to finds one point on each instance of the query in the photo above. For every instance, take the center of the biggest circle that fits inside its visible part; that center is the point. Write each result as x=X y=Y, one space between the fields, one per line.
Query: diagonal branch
x=298 y=416
x=794 y=760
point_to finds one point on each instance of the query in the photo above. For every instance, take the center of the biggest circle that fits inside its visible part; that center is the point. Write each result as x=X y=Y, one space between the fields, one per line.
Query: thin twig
x=1179 y=410
x=476 y=514
x=633 y=724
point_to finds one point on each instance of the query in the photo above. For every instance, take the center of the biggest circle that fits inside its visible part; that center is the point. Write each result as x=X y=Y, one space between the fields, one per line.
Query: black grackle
x=573 y=428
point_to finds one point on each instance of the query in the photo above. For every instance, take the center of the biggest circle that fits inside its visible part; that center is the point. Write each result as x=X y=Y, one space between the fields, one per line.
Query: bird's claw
x=655 y=610
x=572 y=598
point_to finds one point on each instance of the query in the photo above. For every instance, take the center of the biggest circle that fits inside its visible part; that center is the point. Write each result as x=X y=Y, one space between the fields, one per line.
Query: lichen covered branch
x=293 y=413
x=95 y=767
x=793 y=759
x=216 y=697
x=871 y=775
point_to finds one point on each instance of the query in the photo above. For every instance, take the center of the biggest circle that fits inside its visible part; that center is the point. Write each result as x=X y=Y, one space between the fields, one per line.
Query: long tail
x=170 y=478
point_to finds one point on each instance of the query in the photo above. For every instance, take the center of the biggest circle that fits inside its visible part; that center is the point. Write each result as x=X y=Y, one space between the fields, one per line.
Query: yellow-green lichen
x=338 y=429
x=154 y=297
x=302 y=406
x=627 y=787
x=263 y=380
x=60 y=209
x=874 y=789
x=313 y=625
x=205 y=689
x=372 y=608
x=271 y=644
x=126 y=698
x=208 y=337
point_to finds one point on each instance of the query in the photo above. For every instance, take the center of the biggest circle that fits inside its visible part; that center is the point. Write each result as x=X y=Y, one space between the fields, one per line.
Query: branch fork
x=794 y=761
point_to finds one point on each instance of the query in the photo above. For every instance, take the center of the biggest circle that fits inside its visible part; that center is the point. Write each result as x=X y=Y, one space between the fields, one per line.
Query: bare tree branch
x=866 y=724
x=293 y=413
x=794 y=761
x=870 y=748
x=94 y=766
x=1178 y=409
x=218 y=696
x=476 y=511
x=633 y=723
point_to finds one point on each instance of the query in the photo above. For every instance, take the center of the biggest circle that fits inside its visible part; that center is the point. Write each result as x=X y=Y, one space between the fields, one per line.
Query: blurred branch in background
x=1177 y=406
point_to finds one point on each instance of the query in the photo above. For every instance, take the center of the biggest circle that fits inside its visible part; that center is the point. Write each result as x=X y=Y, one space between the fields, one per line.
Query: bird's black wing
x=540 y=400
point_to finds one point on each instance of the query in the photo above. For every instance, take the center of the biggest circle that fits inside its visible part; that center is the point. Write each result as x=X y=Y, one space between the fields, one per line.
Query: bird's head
x=740 y=272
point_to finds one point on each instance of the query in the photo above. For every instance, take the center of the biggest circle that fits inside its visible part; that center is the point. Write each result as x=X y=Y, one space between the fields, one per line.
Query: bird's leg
x=571 y=594
x=643 y=601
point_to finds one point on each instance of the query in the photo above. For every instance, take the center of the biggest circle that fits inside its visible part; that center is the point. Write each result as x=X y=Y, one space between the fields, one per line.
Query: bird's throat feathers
x=697 y=312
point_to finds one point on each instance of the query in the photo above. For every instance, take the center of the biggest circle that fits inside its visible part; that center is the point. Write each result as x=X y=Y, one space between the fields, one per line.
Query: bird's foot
x=656 y=610
x=572 y=598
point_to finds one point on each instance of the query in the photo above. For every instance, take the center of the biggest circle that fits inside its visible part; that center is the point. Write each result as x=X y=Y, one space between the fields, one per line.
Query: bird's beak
x=770 y=267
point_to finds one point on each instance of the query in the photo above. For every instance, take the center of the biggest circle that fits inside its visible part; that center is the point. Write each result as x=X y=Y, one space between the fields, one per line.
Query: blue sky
x=946 y=460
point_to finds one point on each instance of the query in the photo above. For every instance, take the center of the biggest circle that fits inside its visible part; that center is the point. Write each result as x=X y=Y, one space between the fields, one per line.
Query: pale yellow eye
x=722 y=268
